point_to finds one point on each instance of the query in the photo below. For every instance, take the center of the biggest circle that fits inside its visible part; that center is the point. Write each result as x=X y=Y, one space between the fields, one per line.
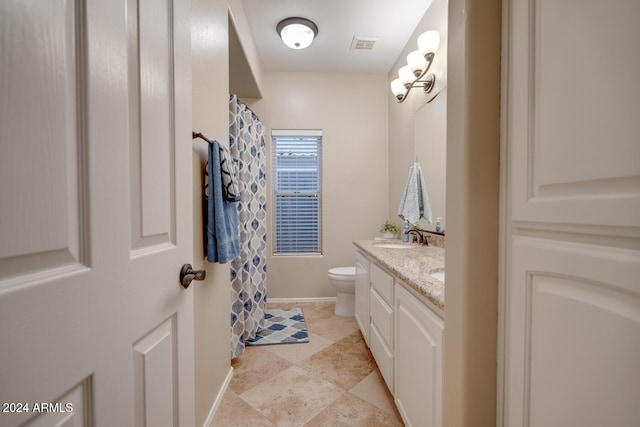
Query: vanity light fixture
x=414 y=74
x=297 y=33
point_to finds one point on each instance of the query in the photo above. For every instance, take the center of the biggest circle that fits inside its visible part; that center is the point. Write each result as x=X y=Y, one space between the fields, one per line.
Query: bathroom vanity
x=400 y=311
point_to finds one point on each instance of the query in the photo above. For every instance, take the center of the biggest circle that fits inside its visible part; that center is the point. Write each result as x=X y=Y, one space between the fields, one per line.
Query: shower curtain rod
x=252 y=112
x=247 y=107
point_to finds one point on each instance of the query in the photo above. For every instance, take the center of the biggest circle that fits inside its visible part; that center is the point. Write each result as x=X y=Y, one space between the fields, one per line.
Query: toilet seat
x=343 y=273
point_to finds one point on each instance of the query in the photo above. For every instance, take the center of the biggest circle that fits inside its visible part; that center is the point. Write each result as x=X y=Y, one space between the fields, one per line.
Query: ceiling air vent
x=363 y=43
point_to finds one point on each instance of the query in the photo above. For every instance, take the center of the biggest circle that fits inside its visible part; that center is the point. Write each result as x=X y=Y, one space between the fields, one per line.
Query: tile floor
x=330 y=381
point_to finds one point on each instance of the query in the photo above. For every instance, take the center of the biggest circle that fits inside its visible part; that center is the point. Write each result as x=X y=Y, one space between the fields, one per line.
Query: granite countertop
x=412 y=266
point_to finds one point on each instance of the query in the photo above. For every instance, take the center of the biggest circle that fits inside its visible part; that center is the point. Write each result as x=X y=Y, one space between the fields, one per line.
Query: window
x=296 y=172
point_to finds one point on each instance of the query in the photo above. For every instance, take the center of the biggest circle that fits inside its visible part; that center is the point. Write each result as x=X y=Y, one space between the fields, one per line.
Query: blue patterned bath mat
x=282 y=327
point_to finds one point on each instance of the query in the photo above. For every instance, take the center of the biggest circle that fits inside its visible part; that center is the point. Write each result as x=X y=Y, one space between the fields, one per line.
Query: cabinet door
x=418 y=361
x=362 y=295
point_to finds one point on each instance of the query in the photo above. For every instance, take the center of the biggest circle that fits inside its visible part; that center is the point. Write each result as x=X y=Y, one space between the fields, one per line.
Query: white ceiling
x=338 y=21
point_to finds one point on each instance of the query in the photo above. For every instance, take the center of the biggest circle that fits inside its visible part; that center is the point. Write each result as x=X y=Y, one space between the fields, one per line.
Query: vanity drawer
x=382 y=317
x=382 y=282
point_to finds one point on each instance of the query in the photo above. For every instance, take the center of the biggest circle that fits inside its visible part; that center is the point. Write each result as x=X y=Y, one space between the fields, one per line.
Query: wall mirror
x=430 y=149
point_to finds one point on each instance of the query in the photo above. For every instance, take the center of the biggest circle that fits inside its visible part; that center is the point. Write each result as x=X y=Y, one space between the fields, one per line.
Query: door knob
x=187 y=274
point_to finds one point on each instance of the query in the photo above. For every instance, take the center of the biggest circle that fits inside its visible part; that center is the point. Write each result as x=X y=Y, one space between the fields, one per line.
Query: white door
x=572 y=213
x=95 y=213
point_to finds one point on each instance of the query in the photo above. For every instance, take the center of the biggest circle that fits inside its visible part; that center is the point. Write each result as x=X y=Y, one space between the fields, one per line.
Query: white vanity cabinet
x=381 y=328
x=404 y=329
x=418 y=360
x=362 y=295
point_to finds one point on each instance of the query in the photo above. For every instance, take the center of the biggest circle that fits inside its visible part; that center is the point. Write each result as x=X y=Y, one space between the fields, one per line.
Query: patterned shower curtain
x=249 y=270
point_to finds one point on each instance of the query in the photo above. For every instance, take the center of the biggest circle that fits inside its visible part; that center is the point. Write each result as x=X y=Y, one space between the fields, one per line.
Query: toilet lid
x=343 y=271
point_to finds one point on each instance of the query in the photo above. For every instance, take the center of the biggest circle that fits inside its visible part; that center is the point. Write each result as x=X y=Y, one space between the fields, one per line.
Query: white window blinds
x=297 y=191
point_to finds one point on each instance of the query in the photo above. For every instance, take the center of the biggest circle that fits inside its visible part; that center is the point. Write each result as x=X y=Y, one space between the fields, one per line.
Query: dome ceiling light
x=297 y=33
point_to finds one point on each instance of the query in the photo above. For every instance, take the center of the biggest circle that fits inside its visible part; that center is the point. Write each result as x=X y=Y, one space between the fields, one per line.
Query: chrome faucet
x=417 y=236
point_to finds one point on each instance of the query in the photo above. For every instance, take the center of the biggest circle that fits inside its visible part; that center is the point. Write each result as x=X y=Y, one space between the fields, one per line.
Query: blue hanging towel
x=223 y=243
x=415 y=200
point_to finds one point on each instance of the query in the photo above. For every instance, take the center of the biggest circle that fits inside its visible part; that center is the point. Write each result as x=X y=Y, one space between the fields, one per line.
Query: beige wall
x=473 y=138
x=211 y=117
x=351 y=110
x=401 y=115
x=245 y=71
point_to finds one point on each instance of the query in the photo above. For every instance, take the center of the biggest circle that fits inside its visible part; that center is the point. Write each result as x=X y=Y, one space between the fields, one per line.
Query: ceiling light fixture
x=418 y=63
x=297 y=33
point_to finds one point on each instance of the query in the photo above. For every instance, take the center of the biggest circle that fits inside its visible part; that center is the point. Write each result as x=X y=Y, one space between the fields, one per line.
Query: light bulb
x=406 y=75
x=416 y=62
x=428 y=42
x=297 y=36
x=398 y=89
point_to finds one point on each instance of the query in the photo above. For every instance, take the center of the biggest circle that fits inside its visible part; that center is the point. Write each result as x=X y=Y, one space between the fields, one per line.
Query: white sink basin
x=393 y=246
x=439 y=275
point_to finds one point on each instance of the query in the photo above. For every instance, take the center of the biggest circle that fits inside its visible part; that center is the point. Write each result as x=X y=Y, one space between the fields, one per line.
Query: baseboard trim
x=318 y=299
x=216 y=403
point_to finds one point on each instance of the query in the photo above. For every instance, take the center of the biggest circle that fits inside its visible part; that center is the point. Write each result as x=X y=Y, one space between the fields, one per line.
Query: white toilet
x=343 y=279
